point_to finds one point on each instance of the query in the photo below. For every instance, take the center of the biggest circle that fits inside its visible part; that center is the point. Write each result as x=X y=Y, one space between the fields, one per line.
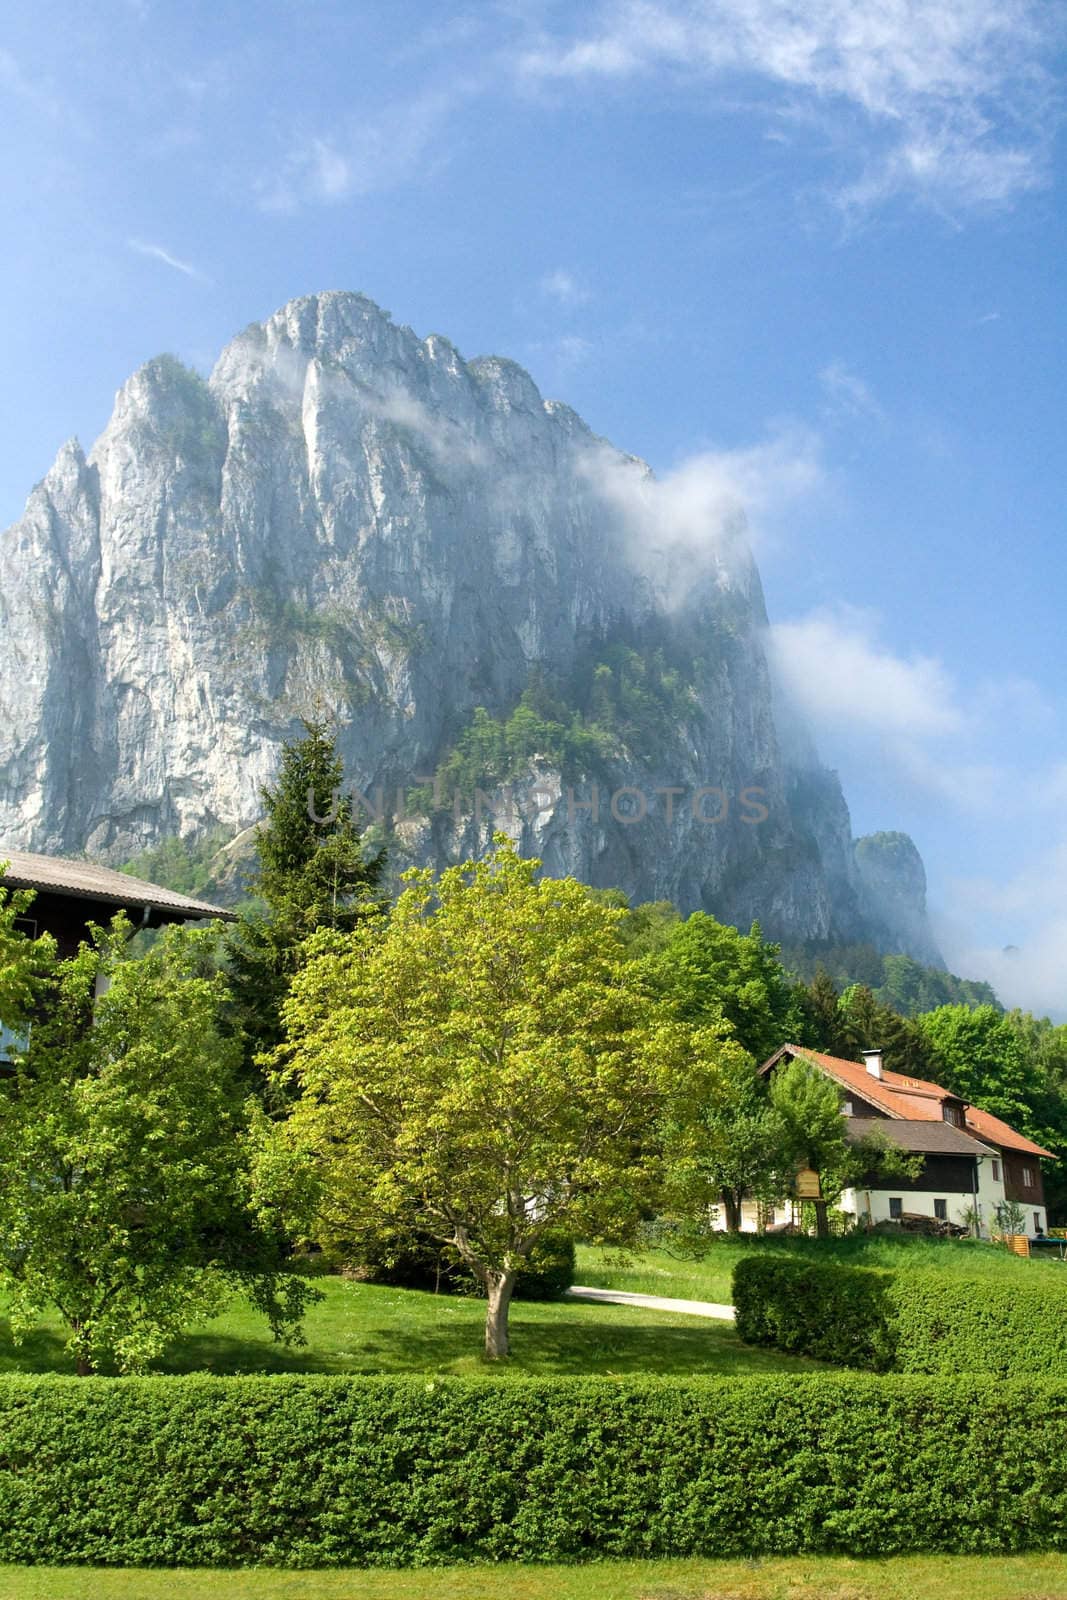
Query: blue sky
x=814 y=249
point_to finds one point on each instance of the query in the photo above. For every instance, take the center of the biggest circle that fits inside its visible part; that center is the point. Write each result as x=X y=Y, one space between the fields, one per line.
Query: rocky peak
x=346 y=519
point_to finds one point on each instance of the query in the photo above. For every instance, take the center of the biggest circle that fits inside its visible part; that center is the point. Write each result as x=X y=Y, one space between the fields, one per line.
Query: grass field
x=912 y=1578
x=368 y=1328
x=657 y=1272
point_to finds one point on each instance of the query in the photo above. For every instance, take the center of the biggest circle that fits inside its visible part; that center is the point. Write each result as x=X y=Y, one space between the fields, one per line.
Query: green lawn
x=367 y=1328
x=657 y=1272
x=912 y=1578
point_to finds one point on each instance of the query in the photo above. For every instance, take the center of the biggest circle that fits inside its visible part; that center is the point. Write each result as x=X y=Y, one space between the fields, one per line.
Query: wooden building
x=972 y=1161
x=69 y=895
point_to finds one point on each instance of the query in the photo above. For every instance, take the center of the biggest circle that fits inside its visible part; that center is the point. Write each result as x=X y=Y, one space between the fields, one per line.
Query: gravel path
x=653 y=1302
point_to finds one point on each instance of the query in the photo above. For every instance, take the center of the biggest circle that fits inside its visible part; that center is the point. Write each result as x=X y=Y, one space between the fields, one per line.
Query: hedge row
x=924 y=1322
x=309 y=1471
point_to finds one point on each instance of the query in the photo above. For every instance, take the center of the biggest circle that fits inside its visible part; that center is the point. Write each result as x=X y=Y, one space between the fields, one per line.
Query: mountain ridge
x=346 y=520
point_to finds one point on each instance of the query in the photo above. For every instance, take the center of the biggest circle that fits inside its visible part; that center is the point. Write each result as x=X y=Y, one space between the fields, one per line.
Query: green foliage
x=619 y=701
x=834 y=1313
x=416 y=1260
x=124 y=1191
x=1004 y=1329
x=313 y=873
x=328 y=1472
x=910 y=1321
x=197 y=430
x=24 y=962
x=186 y=865
x=708 y=972
x=733 y=1147
x=897 y=981
x=981 y=1056
x=482 y=1065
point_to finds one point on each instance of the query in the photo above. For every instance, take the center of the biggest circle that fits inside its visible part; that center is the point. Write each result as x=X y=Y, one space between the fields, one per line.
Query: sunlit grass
x=369 y=1328
x=911 y=1578
x=661 y=1272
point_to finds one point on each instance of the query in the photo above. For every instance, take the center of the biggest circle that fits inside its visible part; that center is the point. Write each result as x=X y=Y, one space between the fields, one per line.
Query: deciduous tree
x=481 y=1064
x=125 y=1200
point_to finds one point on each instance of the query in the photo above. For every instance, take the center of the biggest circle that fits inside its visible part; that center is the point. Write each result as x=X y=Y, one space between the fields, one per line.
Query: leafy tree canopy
x=24 y=961
x=485 y=1065
x=125 y=1201
x=710 y=972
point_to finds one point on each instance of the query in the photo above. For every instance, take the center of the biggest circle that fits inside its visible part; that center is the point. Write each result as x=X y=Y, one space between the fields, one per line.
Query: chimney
x=873 y=1062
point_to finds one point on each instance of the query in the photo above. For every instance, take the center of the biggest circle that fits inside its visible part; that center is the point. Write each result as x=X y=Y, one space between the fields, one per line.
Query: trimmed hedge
x=923 y=1322
x=820 y=1309
x=310 y=1471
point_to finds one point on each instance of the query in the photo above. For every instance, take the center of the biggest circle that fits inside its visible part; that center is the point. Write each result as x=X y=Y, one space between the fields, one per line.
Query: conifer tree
x=313 y=873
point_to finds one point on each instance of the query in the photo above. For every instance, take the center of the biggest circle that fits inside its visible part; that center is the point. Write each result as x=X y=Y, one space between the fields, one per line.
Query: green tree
x=481 y=1065
x=824 y=1026
x=125 y=1200
x=708 y=971
x=984 y=1057
x=865 y=1023
x=313 y=873
x=729 y=1147
x=815 y=1135
x=24 y=962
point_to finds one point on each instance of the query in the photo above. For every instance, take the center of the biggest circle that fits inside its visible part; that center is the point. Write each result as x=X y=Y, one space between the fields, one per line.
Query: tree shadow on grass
x=42 y=1350
x=539 y=1348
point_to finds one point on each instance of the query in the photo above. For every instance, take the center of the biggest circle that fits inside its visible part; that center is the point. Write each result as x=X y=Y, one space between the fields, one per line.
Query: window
x=846 y=1107
x=896 y=1208
x=952 y=1114
x=941 y=1210
x=996 y=1172
x=1028 y=1177
x=1037 y=1222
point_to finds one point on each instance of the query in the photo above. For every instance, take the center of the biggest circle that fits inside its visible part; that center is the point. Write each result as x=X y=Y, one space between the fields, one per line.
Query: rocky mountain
x=490 y=602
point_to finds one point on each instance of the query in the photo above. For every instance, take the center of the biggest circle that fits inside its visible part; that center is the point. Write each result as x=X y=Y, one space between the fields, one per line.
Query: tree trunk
x=499 y=1287
x=732 y=1207
x=84 y=1365
x=822 y=1224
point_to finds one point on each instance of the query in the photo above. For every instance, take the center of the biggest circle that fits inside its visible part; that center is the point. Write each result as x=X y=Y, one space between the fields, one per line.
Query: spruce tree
x=313 y=872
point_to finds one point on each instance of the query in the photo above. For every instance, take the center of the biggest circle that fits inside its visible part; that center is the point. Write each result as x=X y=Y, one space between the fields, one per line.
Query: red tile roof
x=910 y=1099
x=991 y=1127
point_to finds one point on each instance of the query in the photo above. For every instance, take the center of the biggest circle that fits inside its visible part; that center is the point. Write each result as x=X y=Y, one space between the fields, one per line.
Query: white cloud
x=1031 y=971
x=955 y=95
x=695 y=521
x=848 y=395
x=156 y=252
x=564 y=287
x=843 y=679
x=361 y=157
x=443 y=437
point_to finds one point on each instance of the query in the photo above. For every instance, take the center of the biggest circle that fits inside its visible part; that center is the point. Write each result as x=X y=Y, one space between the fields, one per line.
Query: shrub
x=838 y=1314
x=922 y=1322
x=960 y=1325
x=330 y=1472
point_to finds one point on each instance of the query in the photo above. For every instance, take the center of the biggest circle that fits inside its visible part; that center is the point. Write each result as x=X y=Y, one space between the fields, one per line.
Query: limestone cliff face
x=346 y=520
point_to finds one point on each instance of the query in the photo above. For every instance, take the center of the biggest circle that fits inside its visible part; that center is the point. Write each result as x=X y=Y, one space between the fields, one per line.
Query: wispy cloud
x=848 y=395
x=955 y=97
x=562 y=286
x=156 y=252
x=361 y=157
x=696 y=523
x=846 y=680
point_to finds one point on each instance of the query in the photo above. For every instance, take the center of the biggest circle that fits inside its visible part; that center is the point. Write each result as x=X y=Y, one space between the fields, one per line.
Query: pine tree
x=313 y=873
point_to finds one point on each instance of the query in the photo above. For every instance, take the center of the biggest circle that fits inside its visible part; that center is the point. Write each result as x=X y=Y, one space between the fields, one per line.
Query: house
x=69 y=895
x=972 y=1161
